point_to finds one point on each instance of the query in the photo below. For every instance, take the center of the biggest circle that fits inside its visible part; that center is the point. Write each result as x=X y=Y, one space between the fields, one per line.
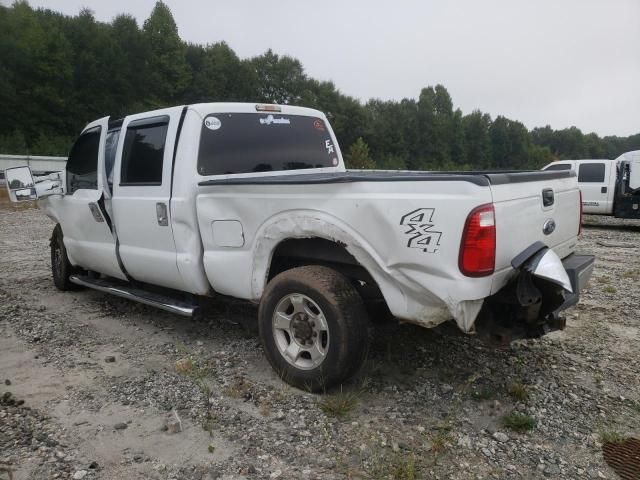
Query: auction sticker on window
x=212 y=123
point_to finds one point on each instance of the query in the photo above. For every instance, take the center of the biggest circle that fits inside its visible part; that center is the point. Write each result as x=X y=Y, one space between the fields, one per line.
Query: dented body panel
x=420 y=282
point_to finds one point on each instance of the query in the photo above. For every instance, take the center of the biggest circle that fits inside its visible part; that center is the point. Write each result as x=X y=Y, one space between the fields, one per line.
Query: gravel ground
x=95 y=384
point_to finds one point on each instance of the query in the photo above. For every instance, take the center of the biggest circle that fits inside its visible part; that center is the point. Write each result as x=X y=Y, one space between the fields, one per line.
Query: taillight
x=478 y=246
x=580 y=219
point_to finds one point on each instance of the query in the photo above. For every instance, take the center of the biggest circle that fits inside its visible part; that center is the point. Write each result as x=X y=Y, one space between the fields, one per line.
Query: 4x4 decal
x=419 y=229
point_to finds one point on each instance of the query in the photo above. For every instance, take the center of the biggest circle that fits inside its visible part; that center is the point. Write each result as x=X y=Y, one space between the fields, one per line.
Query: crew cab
x=609 y=187
x=254 y=202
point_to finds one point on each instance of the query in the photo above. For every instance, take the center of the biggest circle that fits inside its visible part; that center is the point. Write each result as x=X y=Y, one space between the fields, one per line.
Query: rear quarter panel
x=380 y=223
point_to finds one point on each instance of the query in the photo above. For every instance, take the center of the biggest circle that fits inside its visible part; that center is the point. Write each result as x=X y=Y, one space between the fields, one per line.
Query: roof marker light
x=261 y=107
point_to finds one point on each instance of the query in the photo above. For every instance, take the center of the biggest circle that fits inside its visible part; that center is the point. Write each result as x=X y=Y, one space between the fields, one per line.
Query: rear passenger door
x=593 y=181
x=142 y=179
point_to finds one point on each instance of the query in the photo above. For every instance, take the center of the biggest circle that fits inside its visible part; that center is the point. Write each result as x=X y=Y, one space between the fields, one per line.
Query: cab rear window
x=248 y=142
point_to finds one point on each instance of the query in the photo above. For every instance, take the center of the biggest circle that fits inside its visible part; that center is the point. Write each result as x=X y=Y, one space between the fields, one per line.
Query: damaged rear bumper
x=530 y=305
x=579 y=268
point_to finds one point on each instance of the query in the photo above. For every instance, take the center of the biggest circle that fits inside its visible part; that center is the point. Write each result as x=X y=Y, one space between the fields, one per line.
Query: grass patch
x=238 y=389
x=340 y=404
x=483 y=393
x=518 y=392
x=440 y=442
x=610 y=436
x=403 y=467
x=609 y=289
x=388 y=465
x=519 y=422
x=631 y=274
x=198 y=369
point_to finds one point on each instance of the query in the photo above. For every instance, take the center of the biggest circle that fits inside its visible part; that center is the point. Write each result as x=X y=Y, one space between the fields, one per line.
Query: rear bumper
x=579 y=269
x=529 y=306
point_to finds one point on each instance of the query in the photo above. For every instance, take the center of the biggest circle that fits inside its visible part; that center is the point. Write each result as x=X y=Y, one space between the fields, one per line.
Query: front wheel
x=61 y=268
x=313 y=327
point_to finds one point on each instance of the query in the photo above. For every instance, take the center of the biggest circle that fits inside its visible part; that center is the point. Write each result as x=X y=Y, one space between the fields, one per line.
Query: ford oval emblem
x=549 y=226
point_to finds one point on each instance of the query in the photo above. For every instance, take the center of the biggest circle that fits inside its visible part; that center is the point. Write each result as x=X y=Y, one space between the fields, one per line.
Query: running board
x=137 y=295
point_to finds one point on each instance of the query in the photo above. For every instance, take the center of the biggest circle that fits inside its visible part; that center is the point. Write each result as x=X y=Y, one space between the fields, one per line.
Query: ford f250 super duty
x=254 y=202
x=609 y=187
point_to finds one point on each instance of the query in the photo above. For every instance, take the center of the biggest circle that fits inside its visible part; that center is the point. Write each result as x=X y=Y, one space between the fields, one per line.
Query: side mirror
x=20 y=184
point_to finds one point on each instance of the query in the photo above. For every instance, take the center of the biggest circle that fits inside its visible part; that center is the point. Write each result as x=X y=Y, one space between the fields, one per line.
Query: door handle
x=603 y=190
x=161 y=214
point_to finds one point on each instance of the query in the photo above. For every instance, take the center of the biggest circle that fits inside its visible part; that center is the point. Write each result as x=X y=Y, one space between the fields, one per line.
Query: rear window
x=248 y=142
x=591 y=172
x=559 y=166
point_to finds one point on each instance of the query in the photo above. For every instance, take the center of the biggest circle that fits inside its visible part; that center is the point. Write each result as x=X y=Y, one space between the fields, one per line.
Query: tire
x=61 y=268
x=313 y=327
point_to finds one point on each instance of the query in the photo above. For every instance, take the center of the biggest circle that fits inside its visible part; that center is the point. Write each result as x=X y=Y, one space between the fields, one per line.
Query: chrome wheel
x=300 y=331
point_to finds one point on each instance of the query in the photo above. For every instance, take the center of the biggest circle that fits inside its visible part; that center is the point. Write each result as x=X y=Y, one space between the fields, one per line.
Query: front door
x=141 y=193
x=86 y=225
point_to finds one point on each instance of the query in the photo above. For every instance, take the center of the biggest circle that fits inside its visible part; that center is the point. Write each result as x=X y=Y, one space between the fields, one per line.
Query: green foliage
x=519 y=422
x=358 y=156
x=167 y=66
x=340 y=404
x=519 y=392
x=58 y=72
x=611 y=436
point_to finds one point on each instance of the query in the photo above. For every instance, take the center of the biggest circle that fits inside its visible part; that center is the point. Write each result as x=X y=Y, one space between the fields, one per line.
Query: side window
x=143 y=152
x=559 y=166
x=111 y=145
x=82 y=165
x=591 y=172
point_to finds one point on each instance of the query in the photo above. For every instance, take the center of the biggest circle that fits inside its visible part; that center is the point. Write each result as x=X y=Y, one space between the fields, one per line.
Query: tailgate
x=533 y=206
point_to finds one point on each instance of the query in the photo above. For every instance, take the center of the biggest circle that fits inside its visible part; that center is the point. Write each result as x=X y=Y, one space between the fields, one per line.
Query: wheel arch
x=306 y=238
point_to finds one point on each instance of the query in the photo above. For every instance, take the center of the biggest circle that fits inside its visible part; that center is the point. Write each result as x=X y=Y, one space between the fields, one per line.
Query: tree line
x=59 y=72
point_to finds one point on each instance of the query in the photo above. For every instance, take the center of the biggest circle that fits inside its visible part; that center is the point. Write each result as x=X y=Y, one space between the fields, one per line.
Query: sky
x=556 y=62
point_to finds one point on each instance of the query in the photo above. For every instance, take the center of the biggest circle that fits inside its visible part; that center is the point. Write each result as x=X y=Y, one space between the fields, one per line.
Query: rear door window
x=143 y=151
x=82 y=165
x=248 y=142
x=111 y=146
x=591 y=173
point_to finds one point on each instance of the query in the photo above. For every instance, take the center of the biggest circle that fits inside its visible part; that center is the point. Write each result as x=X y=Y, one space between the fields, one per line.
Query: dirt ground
x=92 y=386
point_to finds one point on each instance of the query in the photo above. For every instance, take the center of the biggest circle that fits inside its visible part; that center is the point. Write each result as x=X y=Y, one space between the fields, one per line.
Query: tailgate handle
x=547 y=197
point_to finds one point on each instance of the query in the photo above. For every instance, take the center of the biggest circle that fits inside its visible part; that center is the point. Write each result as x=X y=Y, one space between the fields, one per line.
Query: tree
x=278 y=79
x=477 y=142
x=358 y=156
x=59 y=72
x=169 y=72
x=218 y=75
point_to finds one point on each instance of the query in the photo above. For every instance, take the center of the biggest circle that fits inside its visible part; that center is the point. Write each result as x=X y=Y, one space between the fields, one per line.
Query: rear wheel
x=61 y=268
x=313 y=327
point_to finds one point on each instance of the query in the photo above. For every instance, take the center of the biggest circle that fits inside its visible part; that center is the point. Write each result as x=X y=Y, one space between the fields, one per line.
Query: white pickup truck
x=609 y=187
x=254 y=202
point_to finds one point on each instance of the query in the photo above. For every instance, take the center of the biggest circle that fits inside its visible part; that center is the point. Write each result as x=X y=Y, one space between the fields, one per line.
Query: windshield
x=248 y=142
